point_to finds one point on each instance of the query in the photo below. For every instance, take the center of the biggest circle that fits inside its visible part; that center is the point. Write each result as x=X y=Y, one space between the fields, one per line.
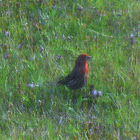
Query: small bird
x=78 y=77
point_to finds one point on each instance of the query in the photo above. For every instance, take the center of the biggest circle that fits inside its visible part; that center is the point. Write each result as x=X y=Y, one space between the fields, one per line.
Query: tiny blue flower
x=94 y=92
x=37 y=84
x=131 y=36
x=19 y=45
x=129 y=59
x=59 y=56
x=86 y=9
x=91 y=131
x=31 y=85
x=7 y=33
x=132 y=41
x=100 y=93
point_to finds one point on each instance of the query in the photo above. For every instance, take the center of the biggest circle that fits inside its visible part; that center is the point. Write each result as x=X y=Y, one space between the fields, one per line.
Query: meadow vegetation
x=39 y=42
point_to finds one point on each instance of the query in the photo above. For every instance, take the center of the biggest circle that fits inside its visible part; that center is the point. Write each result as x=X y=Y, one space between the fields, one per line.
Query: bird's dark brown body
x=78 y=77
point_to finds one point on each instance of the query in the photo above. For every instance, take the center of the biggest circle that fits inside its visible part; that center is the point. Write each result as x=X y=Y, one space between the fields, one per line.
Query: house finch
x=78 y=77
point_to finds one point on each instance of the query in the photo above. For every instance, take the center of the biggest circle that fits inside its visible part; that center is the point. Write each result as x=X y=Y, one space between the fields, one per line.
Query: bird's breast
x=85 y=70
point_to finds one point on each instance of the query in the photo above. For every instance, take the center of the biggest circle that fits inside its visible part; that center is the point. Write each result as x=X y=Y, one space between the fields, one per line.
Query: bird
x=78 y=76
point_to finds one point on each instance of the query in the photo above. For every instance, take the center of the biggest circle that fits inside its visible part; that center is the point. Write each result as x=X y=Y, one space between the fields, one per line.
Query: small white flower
x=31 y=129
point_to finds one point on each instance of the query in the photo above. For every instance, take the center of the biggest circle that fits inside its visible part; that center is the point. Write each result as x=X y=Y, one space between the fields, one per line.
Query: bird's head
x=82 y=59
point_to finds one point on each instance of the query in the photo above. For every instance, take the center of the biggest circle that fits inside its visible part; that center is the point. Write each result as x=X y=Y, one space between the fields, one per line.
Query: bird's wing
x=67 y=79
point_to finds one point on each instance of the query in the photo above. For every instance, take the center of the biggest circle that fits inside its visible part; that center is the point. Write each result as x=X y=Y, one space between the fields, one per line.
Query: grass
x=39 y=42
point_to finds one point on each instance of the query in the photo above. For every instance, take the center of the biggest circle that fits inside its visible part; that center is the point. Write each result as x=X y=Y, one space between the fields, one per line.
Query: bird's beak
x=88 y=57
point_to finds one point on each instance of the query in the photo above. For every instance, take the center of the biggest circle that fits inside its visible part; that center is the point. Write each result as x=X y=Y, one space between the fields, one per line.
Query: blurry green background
x=39 y=42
